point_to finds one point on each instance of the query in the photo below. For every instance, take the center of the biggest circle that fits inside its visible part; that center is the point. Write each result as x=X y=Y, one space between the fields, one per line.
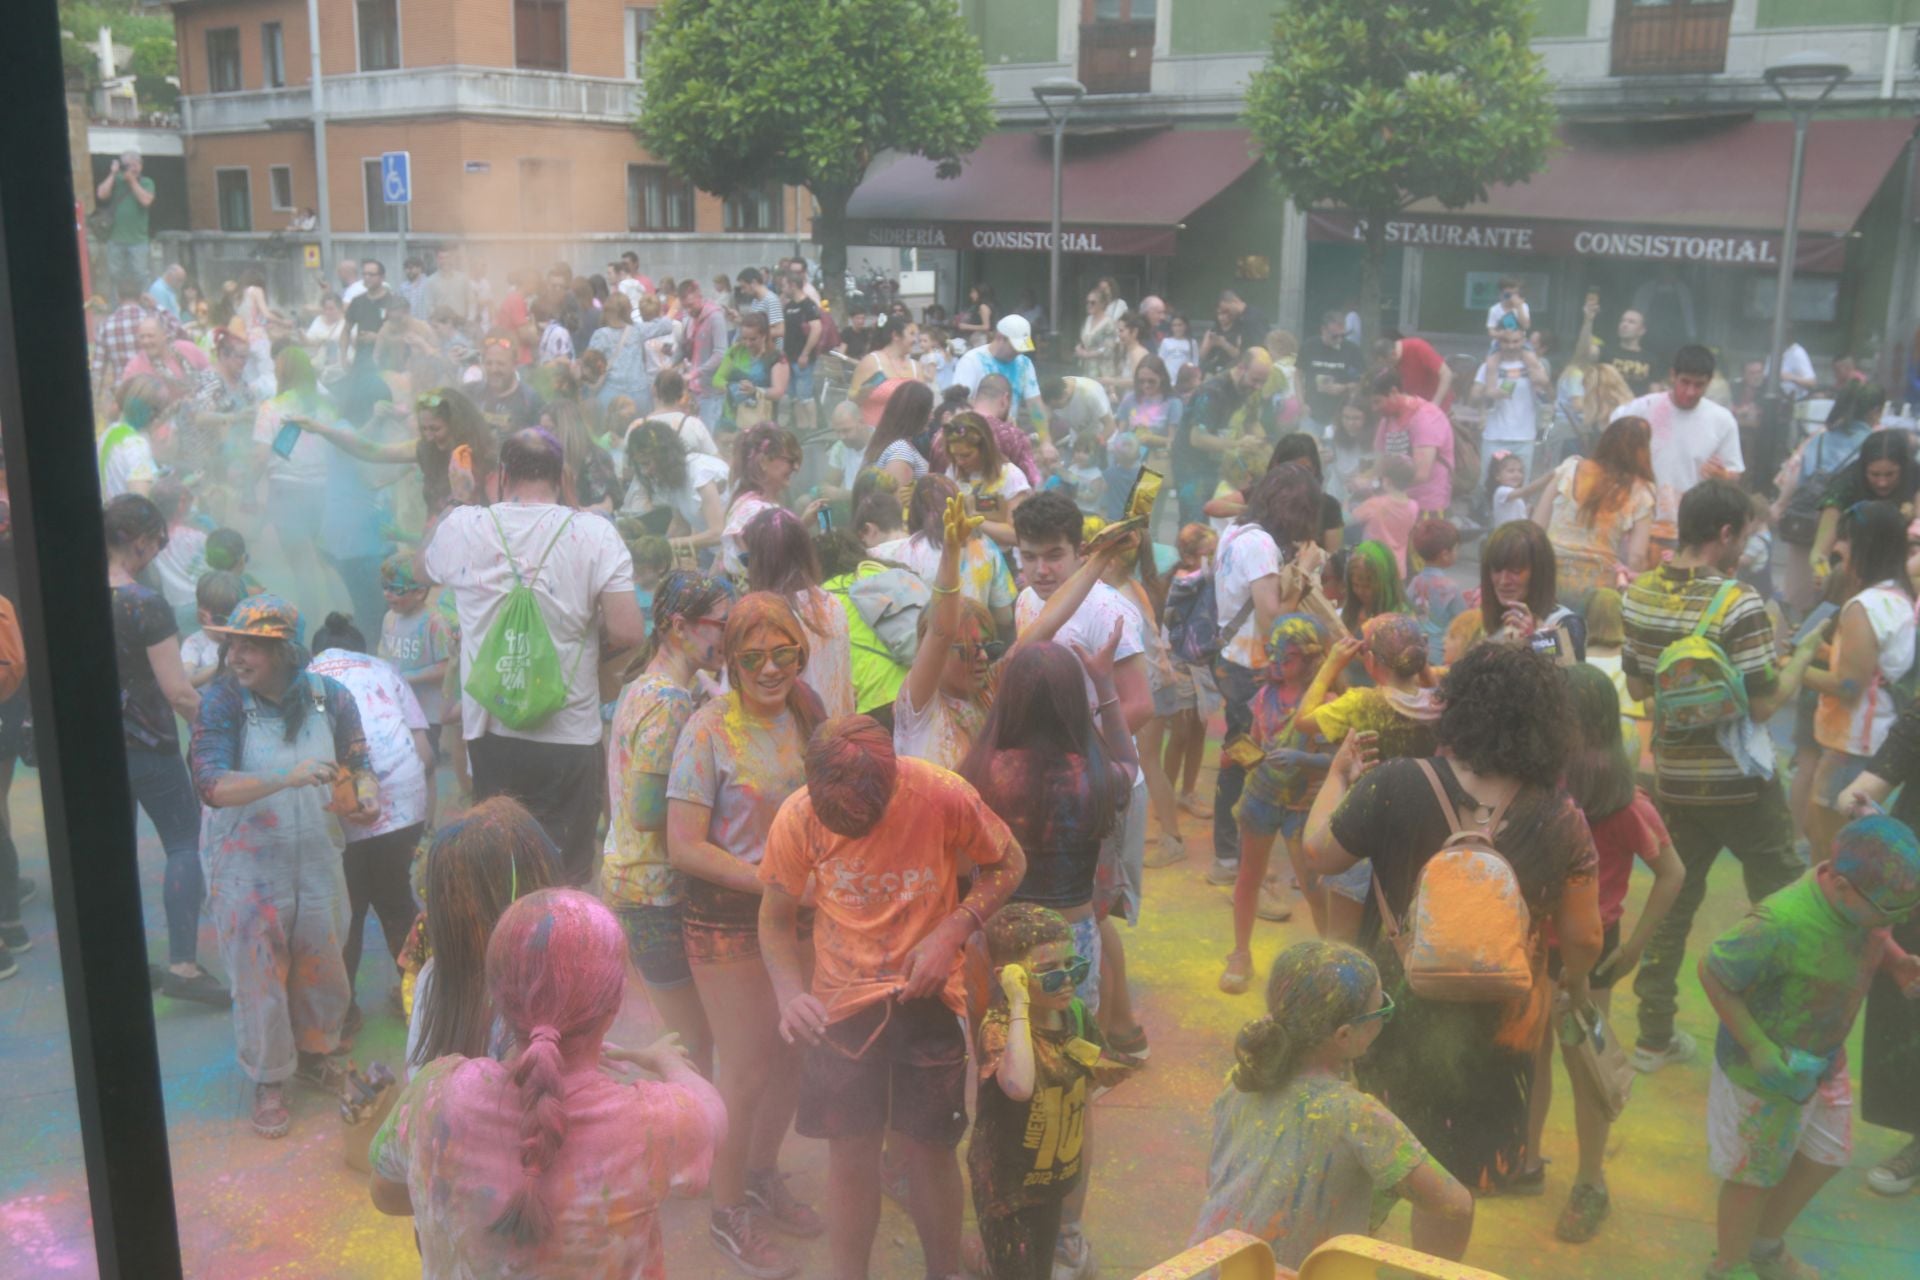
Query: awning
x=1709 y=193
x=1123 y=193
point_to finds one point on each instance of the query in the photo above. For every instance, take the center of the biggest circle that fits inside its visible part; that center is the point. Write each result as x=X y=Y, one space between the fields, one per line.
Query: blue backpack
x=1191 y=611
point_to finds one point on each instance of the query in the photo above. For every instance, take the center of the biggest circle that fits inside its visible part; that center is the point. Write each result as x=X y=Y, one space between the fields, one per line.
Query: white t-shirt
x=1008 y=485
x=1795 y=360
x=985 y=577
x=130 y=463
x=1859 y=728
x=970 y=368
x=308 y=463
x=1247 y=553
x=739 y=516
x=389 y=713
x=199 y=652
x=1498 y=310
x=941 y=732
x=1091 y=625
x=587 y=561
x=702 y=469
x=829 y=670
x=693 y=433
x=1683 y=440
x=1087 y=406
x=1511 y=414
x=180 y=564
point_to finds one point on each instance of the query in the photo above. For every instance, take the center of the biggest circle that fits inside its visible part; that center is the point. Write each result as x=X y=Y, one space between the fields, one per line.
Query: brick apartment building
x=515 y=112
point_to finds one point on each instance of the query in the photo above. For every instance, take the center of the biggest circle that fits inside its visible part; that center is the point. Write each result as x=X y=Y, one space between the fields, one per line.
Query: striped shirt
x=1662 y=606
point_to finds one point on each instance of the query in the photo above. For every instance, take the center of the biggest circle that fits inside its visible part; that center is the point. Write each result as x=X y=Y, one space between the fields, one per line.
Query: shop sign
x=1015 y=237
x=1561 y=239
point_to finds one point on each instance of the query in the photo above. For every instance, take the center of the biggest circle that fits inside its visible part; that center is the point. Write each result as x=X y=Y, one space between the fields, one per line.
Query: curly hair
x=1505 y=711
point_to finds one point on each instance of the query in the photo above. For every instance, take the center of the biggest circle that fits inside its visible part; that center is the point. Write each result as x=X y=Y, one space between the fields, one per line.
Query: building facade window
x=280 y=187
x=233 y=192
x=381 y=216
x=658 y=201
x=223 y=60
x=273 y=55
x=540 y=35
x=757 y=209
x=546 y=195
x=639 y=30
x=1116 y=45
x=379 y=28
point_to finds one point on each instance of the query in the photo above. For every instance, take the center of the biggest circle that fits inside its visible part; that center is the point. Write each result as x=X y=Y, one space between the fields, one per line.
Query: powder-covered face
x=965 y=671
x=1046 y=958
x=766 y=689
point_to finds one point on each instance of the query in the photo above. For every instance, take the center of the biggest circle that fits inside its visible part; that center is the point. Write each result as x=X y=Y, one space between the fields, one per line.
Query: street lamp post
x=1068 y=94
x=1803 y=80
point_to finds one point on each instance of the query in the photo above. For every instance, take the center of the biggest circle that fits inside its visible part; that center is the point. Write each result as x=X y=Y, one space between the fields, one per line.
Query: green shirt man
x=128 y=194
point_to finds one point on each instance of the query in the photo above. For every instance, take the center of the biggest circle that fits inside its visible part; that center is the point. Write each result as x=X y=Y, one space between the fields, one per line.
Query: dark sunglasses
x=970 y=652
x=784 y=658
x=1071 y=974
x=1895 y=915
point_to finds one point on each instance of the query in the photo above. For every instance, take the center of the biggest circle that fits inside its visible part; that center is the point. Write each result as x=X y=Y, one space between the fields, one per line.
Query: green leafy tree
x=154 y=60
x=1374 y=104
x=739 y=93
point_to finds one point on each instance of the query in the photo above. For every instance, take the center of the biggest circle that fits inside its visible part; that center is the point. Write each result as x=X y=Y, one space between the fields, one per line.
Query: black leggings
x=378 y=875
x=1019 y=1245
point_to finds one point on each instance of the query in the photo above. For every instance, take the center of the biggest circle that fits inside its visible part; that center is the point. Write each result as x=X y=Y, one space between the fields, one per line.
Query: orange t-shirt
x=879 y=894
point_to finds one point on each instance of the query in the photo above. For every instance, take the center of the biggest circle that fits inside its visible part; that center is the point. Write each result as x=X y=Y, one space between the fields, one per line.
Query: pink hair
x=556 y=970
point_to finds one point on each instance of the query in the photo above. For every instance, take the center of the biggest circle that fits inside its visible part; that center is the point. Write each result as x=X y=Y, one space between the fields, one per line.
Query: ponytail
x=527 y=1218
x=1315 y=989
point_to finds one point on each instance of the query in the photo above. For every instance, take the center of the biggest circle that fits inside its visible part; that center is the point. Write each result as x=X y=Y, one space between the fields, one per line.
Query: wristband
x=980 y=921
x=945 y=591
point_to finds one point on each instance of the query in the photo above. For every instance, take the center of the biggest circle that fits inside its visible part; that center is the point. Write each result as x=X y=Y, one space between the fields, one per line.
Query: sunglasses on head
x=1896 y=915
x=431 y=400
x=784 y=658
x=1071 y=974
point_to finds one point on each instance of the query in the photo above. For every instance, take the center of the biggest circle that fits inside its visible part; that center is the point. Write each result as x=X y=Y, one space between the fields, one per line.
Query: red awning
x=1730 y=177
x=1122 y=193
x=1711 y=192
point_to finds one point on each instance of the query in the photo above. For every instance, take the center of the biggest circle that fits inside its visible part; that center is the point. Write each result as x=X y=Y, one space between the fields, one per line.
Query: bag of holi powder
x=516 y=673
x=1596 y=1060
x=1466 y=936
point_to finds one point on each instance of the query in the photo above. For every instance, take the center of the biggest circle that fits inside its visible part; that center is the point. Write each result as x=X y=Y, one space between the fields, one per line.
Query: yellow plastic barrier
x=1240 y=1256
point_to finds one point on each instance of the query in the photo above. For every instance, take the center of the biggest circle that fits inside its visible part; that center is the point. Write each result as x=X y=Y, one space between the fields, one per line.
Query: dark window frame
x=369 y=39
x=273 y=55
x=273 y=188
x=226 y=73
x=770 y=198
x=666 y=190
x=540 y=35
x=221 y=194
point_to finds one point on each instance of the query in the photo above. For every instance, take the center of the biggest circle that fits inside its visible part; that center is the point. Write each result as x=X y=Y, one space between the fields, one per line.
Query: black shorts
x=912 y=1078
x=1609 y=943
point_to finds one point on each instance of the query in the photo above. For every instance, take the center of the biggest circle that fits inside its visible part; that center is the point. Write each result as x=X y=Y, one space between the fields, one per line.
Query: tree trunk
x=1372 y=266
x=830 y=229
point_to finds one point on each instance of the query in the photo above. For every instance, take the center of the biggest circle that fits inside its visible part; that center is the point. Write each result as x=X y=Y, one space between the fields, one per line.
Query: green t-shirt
x=1801 y=967
x=129 y=215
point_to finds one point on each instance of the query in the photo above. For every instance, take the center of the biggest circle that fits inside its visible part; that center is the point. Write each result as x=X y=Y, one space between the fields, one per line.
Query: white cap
x=1016 y=330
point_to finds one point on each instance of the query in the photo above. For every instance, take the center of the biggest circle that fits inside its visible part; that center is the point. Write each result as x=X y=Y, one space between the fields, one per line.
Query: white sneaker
x=1072 y=1255
x=1897 y=1175
x=1223 y=872
x=1679 y=1049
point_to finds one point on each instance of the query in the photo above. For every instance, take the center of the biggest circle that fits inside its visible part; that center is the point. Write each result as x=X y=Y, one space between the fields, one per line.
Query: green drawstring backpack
x=516 y=674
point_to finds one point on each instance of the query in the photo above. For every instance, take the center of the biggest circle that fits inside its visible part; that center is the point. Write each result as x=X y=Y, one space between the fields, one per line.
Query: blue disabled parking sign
x=396 y=178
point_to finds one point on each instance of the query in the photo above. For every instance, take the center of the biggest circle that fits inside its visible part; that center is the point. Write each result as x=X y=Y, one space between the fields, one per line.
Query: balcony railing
x=1681 y=37
x=470 y=91
x=1117 y=57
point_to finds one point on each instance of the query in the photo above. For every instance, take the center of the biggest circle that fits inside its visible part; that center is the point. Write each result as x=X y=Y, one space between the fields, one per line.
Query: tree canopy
x=739 y=93
x=1373 y=104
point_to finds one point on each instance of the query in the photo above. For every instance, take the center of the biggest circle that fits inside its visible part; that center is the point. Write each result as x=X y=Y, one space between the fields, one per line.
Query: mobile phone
x=286 y=438
x=824 y=518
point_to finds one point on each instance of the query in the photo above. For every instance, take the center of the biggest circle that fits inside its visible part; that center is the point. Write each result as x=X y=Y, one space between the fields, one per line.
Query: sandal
x=326 y=1072
x=1235 y=978
x=270 y=1116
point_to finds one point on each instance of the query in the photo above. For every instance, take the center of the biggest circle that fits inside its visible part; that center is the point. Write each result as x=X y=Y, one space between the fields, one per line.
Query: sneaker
x=271 y=1118
x=1782 y=1265
x=734 y=1234
x=1133 y=1046
x=326 y=1072
x=7 y=967
x=1072 y=1255
x=1194 y=805
x=1679 y=1049
x=201 y=988
x=768 y=1194
x=1223 y=872
x=1166 y=852
x=1273 y=903
x=14 y=935
x=1896 y=1175
x=1586 y=1209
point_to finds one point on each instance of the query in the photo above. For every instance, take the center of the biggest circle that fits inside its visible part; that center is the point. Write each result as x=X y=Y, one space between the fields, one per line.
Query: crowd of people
x=838 y=681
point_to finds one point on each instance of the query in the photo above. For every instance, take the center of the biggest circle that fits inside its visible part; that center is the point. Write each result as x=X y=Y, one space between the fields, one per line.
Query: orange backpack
x=13 y=651
x=1466 y=937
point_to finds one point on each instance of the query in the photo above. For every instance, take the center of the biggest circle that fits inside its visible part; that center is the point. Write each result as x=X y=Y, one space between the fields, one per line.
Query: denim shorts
x=800 y=385
x=1355 y=883
x=657 y=944
x=1268 y=819
x=1086 y=945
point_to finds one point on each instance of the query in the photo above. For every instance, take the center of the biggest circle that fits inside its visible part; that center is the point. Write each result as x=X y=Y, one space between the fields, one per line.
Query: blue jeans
x=130 y=262
x=1237 y=686
x=165 y=793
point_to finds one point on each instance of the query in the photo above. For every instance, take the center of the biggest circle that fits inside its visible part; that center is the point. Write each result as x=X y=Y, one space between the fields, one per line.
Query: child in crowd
x=1463 y=633
x=1389 y=515
x=1396 y=707
x=1432 y=594
x=1787 y=983
x=416 y=639
x=1350 y=442
x=1625 y=826
x=1287 y=759
x=1195 y=694
x=1756 y=557
x=1511 y=311
x=1084 y=472
x=184 y=557
x=1039 y=1055
x=1178 y=349
x=1506 y=482
x=652 y=561
x=1116 y=480
x=1299 y=1154
x=215 y=596
x=227 y=550
x=1372 y=585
